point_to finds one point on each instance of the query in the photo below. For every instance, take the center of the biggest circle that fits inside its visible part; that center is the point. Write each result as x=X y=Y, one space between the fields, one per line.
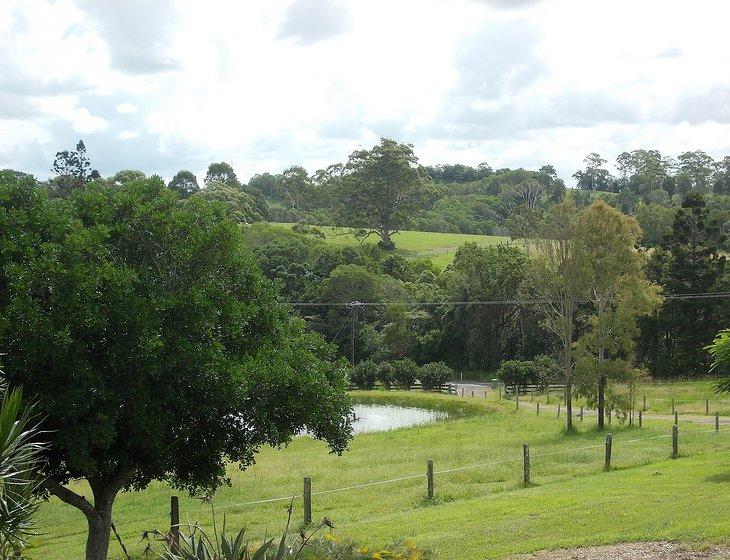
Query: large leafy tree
x=481 y=336
x=688 y=262
x=382 y=189
x=594 y=177
x=154 y=345
x=619 y=290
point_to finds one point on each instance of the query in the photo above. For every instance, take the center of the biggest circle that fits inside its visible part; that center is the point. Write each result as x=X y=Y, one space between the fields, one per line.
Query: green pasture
x=481 y=509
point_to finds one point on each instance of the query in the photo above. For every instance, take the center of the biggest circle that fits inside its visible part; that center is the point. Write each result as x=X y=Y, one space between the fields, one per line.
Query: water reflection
x=381 y=417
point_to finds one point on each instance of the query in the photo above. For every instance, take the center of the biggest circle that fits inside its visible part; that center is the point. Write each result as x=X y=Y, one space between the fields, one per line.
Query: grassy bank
x=478 y=512
x=439 y=247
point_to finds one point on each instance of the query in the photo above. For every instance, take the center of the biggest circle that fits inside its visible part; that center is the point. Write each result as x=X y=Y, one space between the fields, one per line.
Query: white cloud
x=127 y=108
x=128 y=135
x=267 y=85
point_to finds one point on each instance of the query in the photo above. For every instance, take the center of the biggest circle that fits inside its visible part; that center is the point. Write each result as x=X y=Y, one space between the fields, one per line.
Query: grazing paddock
x=478 y=511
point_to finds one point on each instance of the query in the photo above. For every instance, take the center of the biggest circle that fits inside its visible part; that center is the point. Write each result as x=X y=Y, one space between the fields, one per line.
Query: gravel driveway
x=633 y=551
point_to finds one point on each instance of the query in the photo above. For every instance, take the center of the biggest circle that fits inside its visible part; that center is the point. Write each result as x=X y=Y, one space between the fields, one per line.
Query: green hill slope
x=439 y=247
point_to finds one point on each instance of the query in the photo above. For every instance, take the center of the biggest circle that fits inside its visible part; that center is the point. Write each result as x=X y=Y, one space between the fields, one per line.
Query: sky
x=161 y=86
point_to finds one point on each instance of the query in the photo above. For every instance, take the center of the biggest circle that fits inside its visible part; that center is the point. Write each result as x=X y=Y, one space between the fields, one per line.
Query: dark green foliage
x=688 y=262
x=385 y=374
x=481 y=336
x=150 y=337
x=434 y=374
x=517 y=373
x=405 y=372
x=364 y=375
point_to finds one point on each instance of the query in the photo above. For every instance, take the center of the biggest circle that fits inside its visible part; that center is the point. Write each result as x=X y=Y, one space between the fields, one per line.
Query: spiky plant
x=19 y=458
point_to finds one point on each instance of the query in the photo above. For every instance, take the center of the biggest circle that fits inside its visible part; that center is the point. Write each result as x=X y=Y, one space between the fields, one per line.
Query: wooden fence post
x=517 y=400
x=526 y=463
x=175 y=523
x=609 y=445
x=707 y=406
x=675 y=441
x=472 y=393
x=717 y=421
x=307 y=500
x=641 y=415
x=429 y=482
x=676 y=418
x=558 y=409
x=462 y=391
x=581 y=414
x=538 y=408
x=673 y=405
x=644 y=407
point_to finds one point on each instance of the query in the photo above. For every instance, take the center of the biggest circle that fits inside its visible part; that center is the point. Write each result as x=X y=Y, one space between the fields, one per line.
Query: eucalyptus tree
x=184 y=183
x=557 y=280
x=617 y=285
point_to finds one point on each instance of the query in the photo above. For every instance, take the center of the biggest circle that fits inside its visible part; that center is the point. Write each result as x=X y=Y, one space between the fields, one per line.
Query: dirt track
x=633 y=551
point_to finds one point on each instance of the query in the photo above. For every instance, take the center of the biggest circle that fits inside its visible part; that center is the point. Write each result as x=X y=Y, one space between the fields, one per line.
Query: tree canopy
x=153 y=343
x=382 y=189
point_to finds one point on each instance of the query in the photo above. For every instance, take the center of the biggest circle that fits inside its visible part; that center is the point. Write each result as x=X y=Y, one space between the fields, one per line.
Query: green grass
x=479 y=512
x=439 y=247
x=689 y=397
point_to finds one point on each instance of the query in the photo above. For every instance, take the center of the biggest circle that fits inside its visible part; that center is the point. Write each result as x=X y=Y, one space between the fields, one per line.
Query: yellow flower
x=362 y=550
x=377 y=556
x=331 y=538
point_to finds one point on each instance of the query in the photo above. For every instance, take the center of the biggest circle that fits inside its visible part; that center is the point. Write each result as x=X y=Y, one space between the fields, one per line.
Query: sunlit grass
x=439 y=247
x=480 y=431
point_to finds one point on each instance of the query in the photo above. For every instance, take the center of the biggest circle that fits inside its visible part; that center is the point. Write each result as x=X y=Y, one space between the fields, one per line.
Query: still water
x=380 y=417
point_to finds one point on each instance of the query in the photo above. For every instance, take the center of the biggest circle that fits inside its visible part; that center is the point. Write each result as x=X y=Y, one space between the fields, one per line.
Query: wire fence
x=307 y=496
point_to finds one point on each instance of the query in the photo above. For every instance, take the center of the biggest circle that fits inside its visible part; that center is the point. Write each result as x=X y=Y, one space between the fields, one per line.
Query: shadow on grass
x=719 y=478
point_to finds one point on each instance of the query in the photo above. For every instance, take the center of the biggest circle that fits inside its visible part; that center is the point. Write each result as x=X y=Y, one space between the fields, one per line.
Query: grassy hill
x=481 y=512
x=439 y=247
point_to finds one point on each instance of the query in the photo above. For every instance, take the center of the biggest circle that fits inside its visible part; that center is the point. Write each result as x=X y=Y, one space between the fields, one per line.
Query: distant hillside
x=439 y=247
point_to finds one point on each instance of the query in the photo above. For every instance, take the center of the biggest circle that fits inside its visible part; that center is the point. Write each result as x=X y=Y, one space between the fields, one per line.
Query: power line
x=356 y=304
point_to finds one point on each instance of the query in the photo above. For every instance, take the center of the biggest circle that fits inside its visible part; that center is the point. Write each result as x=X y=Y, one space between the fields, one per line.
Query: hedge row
x=400 y=374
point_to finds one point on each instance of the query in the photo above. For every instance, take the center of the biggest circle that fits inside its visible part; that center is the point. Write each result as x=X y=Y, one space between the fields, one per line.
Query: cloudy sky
x=159 y=86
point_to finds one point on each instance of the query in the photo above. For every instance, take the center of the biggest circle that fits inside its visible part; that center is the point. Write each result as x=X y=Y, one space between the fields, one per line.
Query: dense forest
x=674 y=215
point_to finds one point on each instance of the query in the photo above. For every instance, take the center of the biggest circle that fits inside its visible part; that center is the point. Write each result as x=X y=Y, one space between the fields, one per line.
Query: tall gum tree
x=153 y=344
x=557 y=279
x=616 y=284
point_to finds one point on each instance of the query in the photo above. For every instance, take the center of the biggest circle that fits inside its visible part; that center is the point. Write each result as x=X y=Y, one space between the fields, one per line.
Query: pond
x=381 y=417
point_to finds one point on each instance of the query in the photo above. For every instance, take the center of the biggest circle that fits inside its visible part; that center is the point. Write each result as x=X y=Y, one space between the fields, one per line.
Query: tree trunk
x=601 y=370
x=385 y=241
x=601 y=390
x=568 y=356
x=100 y=524
x=99 y=515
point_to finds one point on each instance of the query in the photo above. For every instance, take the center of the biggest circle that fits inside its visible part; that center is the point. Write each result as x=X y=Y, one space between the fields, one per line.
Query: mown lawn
x=480 y=512
x=439 y=247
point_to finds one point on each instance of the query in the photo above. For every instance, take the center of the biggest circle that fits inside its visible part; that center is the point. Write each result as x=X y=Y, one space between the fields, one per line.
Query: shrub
x=405 y=373
x=434 y=375
x=308 y=229
x=364 y=375
x=517 y=372
x=547 y=369
x=385 y=374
